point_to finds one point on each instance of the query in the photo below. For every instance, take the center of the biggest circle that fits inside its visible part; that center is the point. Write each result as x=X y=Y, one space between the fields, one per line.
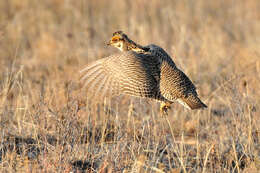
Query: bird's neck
x=131 y=45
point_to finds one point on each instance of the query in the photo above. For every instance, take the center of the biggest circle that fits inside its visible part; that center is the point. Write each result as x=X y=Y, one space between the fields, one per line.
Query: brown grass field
x=47 y=123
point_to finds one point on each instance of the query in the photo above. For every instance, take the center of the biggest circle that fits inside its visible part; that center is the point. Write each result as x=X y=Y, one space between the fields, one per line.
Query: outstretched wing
x=123 y=73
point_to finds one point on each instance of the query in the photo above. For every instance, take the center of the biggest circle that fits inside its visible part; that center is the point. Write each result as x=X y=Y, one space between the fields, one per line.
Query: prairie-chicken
x=147 y=72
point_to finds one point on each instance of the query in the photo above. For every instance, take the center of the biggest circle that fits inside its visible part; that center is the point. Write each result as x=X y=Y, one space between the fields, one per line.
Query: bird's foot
x=164 y=107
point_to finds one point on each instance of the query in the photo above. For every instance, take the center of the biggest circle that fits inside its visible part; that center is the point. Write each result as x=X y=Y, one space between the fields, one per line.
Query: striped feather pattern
x=147 y=72
x=123 y=73
x=174 y=84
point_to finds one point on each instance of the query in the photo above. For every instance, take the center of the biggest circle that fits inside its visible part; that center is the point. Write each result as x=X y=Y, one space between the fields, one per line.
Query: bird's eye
x=114 y=39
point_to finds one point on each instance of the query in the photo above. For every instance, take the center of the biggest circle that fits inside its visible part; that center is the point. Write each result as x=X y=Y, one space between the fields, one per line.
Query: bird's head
x=120 y=41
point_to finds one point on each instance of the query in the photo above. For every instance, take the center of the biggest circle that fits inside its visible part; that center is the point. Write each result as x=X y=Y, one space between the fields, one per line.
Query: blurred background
x=44 y=44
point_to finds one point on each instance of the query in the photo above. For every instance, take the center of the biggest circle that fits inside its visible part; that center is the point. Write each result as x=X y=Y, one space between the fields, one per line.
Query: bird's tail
x=193 y=102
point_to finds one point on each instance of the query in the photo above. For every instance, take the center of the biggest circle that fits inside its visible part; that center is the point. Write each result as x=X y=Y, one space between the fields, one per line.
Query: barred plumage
x=126 y=72
x=147 y=72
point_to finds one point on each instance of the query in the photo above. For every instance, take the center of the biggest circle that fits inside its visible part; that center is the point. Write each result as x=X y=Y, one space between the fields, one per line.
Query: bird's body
x=147 y=72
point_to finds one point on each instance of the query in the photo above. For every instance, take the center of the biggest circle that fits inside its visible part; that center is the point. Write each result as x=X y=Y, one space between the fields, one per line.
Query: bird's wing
x=123 y=73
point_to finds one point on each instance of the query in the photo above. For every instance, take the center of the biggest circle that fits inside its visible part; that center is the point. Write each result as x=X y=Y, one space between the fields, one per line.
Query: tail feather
x=193 y=102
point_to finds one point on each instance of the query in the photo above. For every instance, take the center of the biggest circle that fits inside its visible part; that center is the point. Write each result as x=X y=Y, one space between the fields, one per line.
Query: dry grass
x=46 y=127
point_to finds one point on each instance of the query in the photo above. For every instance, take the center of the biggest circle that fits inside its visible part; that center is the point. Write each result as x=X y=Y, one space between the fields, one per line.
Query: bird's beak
x=109 y=43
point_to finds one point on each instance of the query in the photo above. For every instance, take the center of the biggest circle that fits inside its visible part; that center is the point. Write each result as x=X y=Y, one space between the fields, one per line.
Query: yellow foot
x=164 y=107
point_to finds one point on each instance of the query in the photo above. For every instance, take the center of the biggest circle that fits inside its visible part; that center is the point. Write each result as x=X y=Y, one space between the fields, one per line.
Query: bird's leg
x=164 y=107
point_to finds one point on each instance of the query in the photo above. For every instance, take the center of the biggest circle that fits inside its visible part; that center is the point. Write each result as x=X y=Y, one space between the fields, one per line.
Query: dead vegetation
x=48 y=125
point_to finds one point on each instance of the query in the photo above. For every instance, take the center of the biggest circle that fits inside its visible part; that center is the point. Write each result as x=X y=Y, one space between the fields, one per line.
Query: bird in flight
x=141 y=71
